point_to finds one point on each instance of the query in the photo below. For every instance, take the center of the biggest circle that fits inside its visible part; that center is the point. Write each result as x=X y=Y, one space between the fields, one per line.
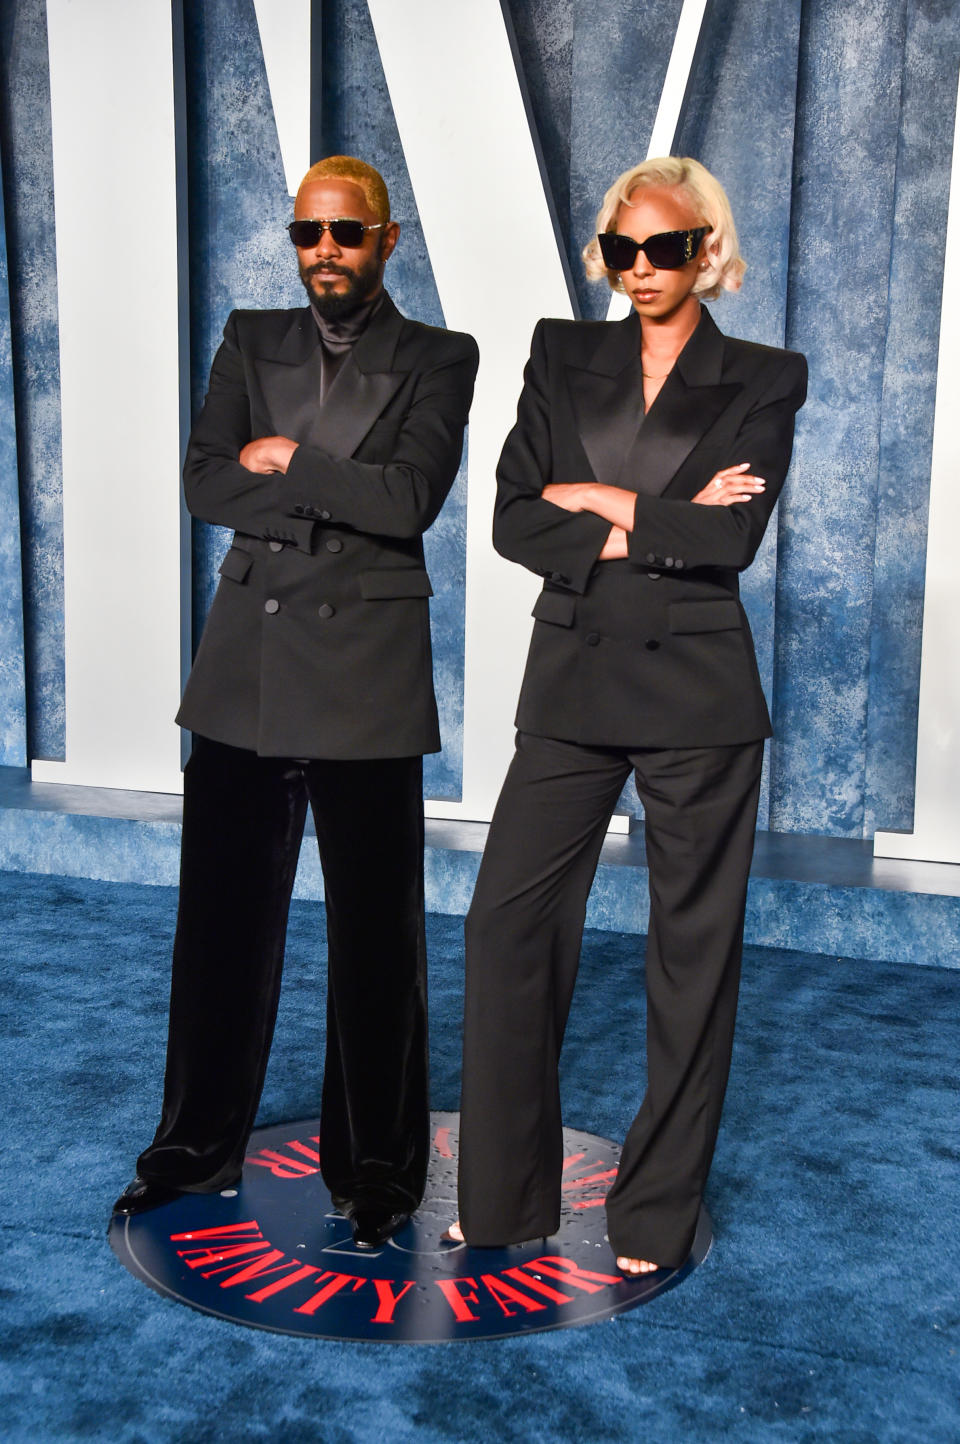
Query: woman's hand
x=570 y=495
x=732 y=484
x=615 y=547
x=611 y=503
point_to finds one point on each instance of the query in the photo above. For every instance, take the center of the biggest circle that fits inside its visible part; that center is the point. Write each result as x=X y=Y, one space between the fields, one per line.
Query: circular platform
x=272 y=1253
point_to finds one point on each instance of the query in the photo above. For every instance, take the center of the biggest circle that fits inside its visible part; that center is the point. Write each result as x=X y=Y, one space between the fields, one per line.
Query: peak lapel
x=290 y=378
x=364 y=385
x=606 y=395
x=691 y=399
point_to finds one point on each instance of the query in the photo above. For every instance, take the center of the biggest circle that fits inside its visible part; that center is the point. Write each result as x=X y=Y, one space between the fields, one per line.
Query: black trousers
x=243 y=819
x=523 y=934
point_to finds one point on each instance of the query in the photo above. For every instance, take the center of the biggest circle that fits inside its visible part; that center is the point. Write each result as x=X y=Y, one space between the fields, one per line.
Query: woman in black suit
x=646 y=460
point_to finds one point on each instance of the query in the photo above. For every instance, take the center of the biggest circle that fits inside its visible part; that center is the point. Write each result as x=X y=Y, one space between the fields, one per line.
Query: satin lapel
x=290 y=379
x=675 y=423
x=364 y=386
x=691 y=399
x=606 y=395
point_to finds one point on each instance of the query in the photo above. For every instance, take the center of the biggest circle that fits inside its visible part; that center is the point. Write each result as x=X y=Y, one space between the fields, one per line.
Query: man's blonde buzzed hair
x=347 y=167
x=707 y=199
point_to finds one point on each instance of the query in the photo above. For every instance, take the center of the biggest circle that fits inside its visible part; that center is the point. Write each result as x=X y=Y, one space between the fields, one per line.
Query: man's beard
x=332 y=305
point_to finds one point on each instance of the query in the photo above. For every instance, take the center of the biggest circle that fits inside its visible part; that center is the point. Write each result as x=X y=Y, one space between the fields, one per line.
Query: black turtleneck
x=337 y=337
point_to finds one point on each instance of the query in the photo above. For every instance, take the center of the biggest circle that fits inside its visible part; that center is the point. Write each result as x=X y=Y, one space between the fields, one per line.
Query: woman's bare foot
x=636 y=1265
x=455 y=1233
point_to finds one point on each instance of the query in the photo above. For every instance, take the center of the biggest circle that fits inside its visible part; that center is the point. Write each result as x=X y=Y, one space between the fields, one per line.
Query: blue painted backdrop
x=32 y=261
x=831 y=125
x=13 y=742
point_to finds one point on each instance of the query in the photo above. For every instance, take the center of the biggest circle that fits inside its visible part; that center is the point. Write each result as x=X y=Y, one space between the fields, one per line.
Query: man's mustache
x=326 y=266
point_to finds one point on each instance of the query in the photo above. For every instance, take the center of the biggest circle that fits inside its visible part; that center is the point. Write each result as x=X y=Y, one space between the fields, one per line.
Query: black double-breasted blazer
x=318 y=640
x=654 y=651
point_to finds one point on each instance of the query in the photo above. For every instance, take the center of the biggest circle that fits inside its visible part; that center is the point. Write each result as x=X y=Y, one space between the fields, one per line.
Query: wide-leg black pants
x=243 y=819
x=523 y=934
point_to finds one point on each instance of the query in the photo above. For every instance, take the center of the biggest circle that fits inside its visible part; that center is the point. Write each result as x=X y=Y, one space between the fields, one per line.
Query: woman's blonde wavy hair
x=725 y=265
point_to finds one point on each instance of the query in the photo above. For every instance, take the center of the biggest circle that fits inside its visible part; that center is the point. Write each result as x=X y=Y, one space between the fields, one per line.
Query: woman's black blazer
x=654 y=651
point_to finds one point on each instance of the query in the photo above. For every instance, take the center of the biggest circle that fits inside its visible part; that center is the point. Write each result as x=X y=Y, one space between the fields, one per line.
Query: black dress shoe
x=372 y=1226
x=140 y=1196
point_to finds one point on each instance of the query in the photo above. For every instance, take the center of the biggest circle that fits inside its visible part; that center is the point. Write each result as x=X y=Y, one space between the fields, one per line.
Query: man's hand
x=268 y=453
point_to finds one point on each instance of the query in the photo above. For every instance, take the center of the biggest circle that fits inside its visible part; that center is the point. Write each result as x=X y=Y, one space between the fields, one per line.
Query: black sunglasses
x=667 y=251
x=344 y=232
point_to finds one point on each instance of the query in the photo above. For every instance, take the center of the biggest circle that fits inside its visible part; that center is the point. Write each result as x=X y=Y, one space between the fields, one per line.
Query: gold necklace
x=647 y=376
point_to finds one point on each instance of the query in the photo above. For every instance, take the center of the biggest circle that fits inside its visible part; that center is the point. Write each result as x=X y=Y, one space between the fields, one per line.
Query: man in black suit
x=328 y=441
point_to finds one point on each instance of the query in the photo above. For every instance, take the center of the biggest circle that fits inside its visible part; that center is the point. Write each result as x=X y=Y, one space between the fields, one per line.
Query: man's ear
x=391 y=234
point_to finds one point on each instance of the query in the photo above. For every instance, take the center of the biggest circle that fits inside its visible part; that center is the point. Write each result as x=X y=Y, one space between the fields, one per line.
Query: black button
x=334 y=544
x=654 y=576
x=299 y=511
x=275 y=546
x=323 y=515
x=271 y=606
x=558 y=577
x=678 y=563
x=651 y=557
x=651 y=644
x=325 y=611
x=593 y=639
x=668 y=561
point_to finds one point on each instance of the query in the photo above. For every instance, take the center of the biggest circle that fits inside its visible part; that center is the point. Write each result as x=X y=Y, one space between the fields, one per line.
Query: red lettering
x=247 y=1271
x=225 y=1230
x=572 y=1274
x=302 y=1273
x=537 y=1286
x=441 y=1142
x=450 y=1288
x=388 y=1300
x=591 y=1178
x=203 y=1257
x=337 y=1282
x=569 y=1162
x=266 y=1262
x=279 y=1166
x=589 y=1202
x=506 y=1293
x=311 y=1153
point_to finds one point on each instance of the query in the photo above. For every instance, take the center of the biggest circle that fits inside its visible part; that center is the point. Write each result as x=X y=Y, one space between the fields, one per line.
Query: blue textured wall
x=830 y=124
x=593 y=74
x=13 y=702
x=928 y=81
x=31 y=251
x=848 y=560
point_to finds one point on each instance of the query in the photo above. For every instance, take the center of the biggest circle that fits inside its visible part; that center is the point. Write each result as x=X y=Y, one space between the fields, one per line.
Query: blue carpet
x=828 y=1309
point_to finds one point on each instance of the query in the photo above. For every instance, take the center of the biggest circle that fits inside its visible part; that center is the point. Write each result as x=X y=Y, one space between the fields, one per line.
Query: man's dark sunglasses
x=347 y=233
x=667 y=251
